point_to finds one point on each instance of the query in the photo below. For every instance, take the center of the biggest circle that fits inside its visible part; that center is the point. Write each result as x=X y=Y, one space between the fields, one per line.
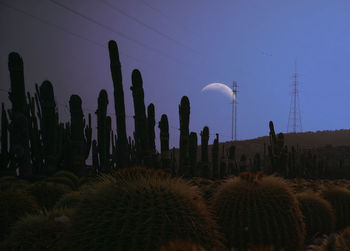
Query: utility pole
x=234 y=111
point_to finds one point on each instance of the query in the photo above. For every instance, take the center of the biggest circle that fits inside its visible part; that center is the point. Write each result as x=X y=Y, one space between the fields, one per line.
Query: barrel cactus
x=69 y=175
x=181 y=245
x=339 y=198
x=141 y=214
x=137 y=172
x=255 y=211
x=46 y=194
x=13 y=205
x=69 y=200
x=318 y=215
x=39 y=232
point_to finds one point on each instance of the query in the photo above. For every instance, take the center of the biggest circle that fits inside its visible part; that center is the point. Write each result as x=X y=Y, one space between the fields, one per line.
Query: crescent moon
x=221 y=88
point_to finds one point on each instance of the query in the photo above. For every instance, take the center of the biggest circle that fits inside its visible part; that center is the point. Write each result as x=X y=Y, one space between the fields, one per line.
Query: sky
x=180 y=47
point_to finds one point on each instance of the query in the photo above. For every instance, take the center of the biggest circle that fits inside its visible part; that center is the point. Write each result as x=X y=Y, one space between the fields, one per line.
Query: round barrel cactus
x=318 y=215
x=39 y=232
x=339 y=198
x=142 y=213
x=13 y=205
x=255 y=211
x=181 y=245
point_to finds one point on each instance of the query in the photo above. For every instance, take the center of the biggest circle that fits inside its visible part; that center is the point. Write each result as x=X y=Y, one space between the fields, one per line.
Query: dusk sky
x=180 y=47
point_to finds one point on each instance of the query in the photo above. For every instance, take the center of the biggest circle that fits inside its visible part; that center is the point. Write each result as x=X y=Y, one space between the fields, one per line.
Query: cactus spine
x=122 y=141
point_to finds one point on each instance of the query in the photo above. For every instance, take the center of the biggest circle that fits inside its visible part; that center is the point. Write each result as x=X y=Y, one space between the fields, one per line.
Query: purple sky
x=181 y=46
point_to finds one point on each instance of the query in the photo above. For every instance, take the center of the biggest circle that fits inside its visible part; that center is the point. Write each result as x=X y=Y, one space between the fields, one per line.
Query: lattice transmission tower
x=294 y=119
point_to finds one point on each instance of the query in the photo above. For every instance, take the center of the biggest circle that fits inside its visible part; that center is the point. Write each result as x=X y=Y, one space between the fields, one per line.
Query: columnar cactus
x=19 y=135
x=255 y=211
x=34 y=136
x=163 y=126
x=184 y=115
x=215 y=157
x=277 y=152
x=108 y=140
x=80 y=134
x=150 y=127
x=4 y=138
x=101 y=113
x=206 y=171
x=141 y=137
x=122 y=140
x=193 y=145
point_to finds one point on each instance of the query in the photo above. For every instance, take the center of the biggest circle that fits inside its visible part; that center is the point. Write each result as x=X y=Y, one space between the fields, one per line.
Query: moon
x=221 y=88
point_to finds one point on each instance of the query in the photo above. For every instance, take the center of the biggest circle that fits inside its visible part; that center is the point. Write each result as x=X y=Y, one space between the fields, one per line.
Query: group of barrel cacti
x=147 y=209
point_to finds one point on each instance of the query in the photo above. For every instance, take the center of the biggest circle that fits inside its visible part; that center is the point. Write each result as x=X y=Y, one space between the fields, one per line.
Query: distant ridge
x=305 y=140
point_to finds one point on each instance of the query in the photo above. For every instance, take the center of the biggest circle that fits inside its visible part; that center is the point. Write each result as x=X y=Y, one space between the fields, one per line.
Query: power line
x=106 y=27
x=146 y=25
x=166 y=16
x=64 y=30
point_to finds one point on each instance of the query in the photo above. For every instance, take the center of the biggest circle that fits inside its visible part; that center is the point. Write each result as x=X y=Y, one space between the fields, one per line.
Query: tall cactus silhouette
x=150 y=127
x=278 y=153
x=108 y=140
x=184 y=114
x=4 y=138
x=101 y=113
x=19 y=135
x=163 y=126
x=34 y=136
x=141 y=140
x=49 y=125
x=80 y=134
x=215 y=157
x=164 y=134
x=122 y=140
x=204 y=153
x=193 y=145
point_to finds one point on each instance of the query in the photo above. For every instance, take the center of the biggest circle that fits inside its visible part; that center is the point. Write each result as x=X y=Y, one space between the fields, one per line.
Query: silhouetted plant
x=80 y=135
x=122 y=141
x=4 y=156
x=102 y=135
x=150 y=127
x=141 y=133
x=19 y=134
x=163 y=126
x=184 y=115
x=193 y=154
x=205 y=172
x=215 y=157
